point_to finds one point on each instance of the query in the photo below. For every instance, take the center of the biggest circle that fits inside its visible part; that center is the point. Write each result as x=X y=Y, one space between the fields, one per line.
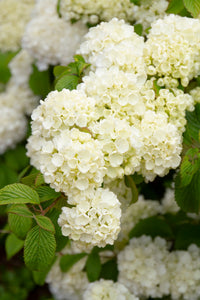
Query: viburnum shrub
x=100 y=179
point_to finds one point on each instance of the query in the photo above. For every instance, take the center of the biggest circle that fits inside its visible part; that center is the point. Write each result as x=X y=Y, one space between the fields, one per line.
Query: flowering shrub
x=99 y=144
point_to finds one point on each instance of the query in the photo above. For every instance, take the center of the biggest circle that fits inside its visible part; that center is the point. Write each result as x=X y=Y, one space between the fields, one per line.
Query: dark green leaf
x=153 y=226
x=93 y=266
x=45 y=223
x=193 y=6
x=40 y=82
x=39 y=251
x=191 y=135
x=189 y=166
x=109 y=270
x=21 y=161
x=13 y=245
x=68 y=260
x=187 y=234
x=188 y=197
x=40 y=276
x=7 y=175
x=19 y=225
x=5 y=58
x=69 y=82
x=130 y=183
x=175 y=7
x=137 y=2
x=18 y=193
x=46 y=193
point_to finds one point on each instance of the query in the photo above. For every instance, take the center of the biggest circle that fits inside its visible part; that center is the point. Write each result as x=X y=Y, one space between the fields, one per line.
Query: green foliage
x=131 y=184
x=5 y=58
x=46 y=193
x=45 y=223
x=93 y=266
x=175 y=7
x=19 y=225
x=189 y=166
x=16 y=159
x=18 y=193
x=187 y=234
x=68 y=260
x=193 y=6
x=191 y=135
x=40 y=82
x=39 y=249
x=7 y=175
x=20 y=210
x=70 y=76
x=137 y=2
x=13 y=245
x=153 y=226
x=109 y=270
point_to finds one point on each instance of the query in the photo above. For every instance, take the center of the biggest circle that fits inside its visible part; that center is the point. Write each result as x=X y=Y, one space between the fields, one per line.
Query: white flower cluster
x=95 y=220
x=172 y=49
x=149 y=11
x=195 y=93
x=148 y=269
x=50 y=39
x=142 y=267
x=107 y=289
x=95 y=11
x=14 y=15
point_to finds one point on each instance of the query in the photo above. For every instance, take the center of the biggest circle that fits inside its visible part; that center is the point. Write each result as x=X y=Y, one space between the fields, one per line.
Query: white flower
x=195 y=93
x=168 y=202
x=142 y=267
x=95 y=219
x=51 y=40
x=95 y=11
x=107 y=290
x=14 y=15
x=172 y=48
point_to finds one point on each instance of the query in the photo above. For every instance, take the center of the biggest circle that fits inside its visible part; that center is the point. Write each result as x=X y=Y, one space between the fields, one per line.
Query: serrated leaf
x=187 y=234
x=19 y=225
x=39 y=82
x=109 y=270
x=68 y=260
x=18 y=193
x=20 y=210
x=13 y=245
x=39 y=250
x=45 y=223
x=175 y=7
x=93 y=266
x=29 y=180
x=46 y=193
x=153 y=226
x=193 y=6
x=191 y=135
x=188 y=197
x=189 y=166
x=130 y=183
x=69 y=82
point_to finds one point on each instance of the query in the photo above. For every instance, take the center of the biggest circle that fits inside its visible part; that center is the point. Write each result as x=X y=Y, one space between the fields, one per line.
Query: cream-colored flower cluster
x=95 y=220
x=172 y=49
x=14 y=15
x=50 y=39
x=95 y=11
x=148 y=269
x=107 y=289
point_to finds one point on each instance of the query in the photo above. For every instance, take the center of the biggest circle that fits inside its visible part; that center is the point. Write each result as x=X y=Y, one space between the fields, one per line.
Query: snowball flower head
x=69 y=158
x=173 y=48
x=95 y=11
x=95 y=220
x=14 y=15
x=142 y=267
x=107 y=289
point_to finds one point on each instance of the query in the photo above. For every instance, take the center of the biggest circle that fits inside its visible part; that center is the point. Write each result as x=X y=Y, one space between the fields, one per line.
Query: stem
x=50 y=206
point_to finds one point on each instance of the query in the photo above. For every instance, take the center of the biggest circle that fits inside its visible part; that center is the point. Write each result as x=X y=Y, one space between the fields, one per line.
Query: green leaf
x=40 y=82
x=193 y=6
x=68 y=82
x=19 y=225
x=46 y=193
x=130 y=183
x=156 y=88
x=7 y=175
x=68 y=260
x=188 y=197
x=191 y=135
x=40 y=276
x=93 y=266
x=21 y=161
x=137 y=2
x=81 y=64
x=20 y=210
x=5 y=73
x=109 y=270
x=138 y=28
x=39 y=250
x=189 y=166
x=18 y=193
x=175 y=7
x=186 y=235
x=45 y=223
x=13 y=245
x=153 y=226
x=58 y=70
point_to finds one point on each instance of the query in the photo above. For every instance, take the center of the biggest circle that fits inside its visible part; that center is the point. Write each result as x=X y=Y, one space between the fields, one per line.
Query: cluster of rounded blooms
x=114 y=124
